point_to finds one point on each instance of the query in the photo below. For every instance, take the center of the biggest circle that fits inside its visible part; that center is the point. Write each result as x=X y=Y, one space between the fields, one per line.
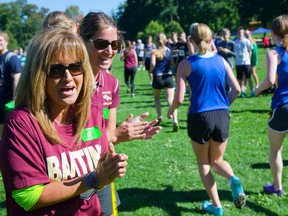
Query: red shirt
x=27 y=158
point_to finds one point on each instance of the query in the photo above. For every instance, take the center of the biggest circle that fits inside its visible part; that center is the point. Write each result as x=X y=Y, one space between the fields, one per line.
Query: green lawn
x=162 y=177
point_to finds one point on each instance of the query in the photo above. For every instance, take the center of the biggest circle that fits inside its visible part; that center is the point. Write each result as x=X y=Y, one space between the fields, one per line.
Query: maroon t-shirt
x=27 y=158
x=106 y=91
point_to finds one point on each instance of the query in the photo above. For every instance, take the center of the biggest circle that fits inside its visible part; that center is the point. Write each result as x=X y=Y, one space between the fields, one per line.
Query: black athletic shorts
x=279 y=119
x=163 y=81
x=243 y=69
x=147 y=64
x=206 y=125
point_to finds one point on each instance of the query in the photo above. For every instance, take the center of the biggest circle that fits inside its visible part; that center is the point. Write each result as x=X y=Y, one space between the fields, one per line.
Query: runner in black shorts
x=163 y=81
x=206 y=125
x=276 y=122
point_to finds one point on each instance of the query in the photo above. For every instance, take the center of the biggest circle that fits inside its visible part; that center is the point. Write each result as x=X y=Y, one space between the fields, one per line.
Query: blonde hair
x=4 y=35
x=201 y=35
x=161 y=51
x=279 y=26
x=49 y=45
x=57 y=19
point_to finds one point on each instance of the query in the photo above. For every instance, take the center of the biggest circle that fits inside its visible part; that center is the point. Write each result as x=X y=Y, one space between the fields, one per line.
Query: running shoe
x=175 y=127
x=209 y=208
x=242 y=95
x=160 y=119
x=239 y=197
x=270 y=189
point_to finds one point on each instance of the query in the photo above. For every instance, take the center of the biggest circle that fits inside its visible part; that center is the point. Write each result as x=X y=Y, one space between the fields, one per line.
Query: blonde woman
x=58 y=19
x=51 y=151
x=161 y=61
x=208 y=114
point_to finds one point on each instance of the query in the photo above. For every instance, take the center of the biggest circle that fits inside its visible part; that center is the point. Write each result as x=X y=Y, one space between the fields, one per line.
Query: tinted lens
x=58 y=70
x=103 y=44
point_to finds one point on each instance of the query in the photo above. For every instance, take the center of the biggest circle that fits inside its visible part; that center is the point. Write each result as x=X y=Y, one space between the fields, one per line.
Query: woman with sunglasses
x=54 y=154
x=102 y=39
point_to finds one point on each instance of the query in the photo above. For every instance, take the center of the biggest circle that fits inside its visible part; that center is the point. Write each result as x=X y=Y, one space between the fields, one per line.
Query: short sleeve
x=22 y=160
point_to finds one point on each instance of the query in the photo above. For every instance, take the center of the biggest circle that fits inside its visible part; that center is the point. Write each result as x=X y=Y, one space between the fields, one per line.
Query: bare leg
x=255 y=76
x=202 y=155
x=169 y=93
x=216 y=152
x=157 y=101
x=276 y=163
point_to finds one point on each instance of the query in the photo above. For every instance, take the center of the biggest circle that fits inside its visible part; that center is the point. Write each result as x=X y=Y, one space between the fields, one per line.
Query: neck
x=61 y=116
x=3 y=51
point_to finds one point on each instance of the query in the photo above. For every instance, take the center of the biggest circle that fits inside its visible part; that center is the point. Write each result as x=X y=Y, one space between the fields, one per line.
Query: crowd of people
x=60 y=133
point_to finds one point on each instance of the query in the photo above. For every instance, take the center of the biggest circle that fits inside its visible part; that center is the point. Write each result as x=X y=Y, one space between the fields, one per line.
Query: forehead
x=65 y=56
x=109 y=33
x=2 y=37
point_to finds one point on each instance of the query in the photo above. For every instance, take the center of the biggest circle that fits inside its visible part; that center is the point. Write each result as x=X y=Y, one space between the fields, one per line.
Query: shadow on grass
x=3 y=204
x=252 y=111
x=266 y=165
x=168 y=200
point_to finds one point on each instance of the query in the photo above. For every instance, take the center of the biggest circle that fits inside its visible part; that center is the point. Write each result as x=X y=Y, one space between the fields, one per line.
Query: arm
x=152 y=61
x=232 y=82
x=272 y=60
x=15 y=77
x=183 y=71
x=111 y=125
x=135 y=56
x=136 y=128
x=122 y=56
x=108 y=168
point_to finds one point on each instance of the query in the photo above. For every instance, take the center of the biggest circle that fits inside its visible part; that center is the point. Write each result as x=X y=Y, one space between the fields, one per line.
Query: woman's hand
x=135 y=128
x=110 y=166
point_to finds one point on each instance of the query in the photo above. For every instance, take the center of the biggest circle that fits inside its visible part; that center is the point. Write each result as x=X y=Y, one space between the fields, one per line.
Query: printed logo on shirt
x=74 y=163
x=107 y=97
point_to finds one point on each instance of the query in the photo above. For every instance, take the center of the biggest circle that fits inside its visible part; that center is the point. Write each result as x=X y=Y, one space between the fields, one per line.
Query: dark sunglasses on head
x=102 y=44
x=58 y=70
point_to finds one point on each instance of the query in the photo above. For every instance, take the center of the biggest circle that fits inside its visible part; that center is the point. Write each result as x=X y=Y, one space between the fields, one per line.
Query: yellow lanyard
x=114 y=201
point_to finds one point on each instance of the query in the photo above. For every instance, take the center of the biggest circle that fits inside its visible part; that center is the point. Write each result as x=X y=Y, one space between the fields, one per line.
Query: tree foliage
x=22 y=21
x=134 y=15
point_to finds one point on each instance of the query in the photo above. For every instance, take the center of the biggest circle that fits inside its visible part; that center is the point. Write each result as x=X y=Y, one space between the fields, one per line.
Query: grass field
x=162 y=177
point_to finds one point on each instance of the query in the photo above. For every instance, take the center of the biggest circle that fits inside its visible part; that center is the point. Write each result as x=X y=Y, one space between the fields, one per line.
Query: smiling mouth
x=67 y=89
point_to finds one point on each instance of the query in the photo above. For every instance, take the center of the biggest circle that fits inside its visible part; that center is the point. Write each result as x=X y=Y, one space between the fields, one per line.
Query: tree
x=153 y=29
x=173 y=26
x=73 y=11
x=21 y=21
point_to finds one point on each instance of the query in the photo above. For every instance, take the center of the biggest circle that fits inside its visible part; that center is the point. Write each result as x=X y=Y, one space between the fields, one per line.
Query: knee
x=214 y=164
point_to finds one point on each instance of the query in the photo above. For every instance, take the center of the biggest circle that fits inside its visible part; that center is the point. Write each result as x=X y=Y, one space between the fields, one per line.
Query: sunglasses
x=58 y=70
x=102 y=44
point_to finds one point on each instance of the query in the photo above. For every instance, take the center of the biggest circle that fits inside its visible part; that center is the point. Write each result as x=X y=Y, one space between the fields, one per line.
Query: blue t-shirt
x=13 y=66
x=281 y=91
x=207 y=82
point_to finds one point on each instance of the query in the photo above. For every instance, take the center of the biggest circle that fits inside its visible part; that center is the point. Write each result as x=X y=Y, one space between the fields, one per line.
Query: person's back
x=129 y=58
x=162 y=65
x=207 y=82
x=281 y=91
